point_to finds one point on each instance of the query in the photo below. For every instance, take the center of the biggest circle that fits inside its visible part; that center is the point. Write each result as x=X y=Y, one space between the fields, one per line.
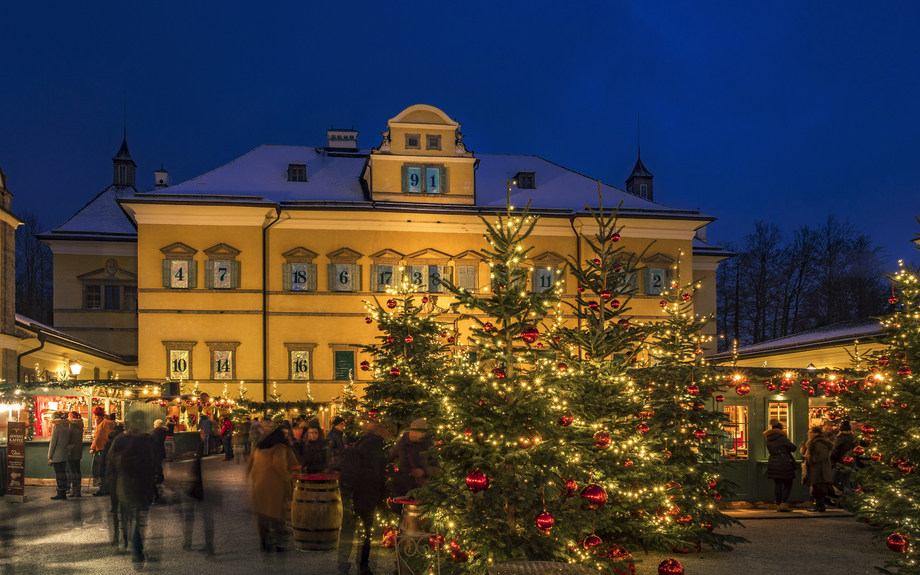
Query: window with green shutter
x=543 y=280
x=344 y=365
x=435 y=275
x=383 y=277
x=418 y=276
x=655 y=280
x=466 y=277
x=344 y=277
x=424 y=179
x=180 y=274
x=298 y=277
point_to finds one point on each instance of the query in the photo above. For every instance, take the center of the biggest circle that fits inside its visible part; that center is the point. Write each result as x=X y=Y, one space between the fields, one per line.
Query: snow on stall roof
x=101 y=215
x=264 y=172
x=843 y=330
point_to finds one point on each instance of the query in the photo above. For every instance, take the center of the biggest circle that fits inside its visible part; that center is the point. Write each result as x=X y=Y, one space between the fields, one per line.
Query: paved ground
x=44 y=536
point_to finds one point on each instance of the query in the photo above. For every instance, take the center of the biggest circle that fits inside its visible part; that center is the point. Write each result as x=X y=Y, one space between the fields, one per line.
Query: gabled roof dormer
x=124 y=165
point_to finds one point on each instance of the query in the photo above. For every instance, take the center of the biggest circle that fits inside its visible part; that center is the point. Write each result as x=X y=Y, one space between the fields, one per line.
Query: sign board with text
x=16 y=461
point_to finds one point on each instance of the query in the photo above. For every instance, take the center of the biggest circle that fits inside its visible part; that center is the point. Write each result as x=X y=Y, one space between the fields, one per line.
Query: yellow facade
x=268 y=336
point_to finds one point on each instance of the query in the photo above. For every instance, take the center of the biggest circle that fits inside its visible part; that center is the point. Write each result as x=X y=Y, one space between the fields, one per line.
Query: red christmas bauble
x=394 y=372
x=458 y=555
x=544 y=522
x=389 y=537
x=904 y=370
x=488 y=327
x=868 y=429
x=711 y=484
x=685 y=296
x=624 y=322
x=529 y=437
x=697 y=406
x=605 y=295
x=771 y=386
x=450 y=339
x=876 y=456
x=642 y=428
x=897 y=543
x=565 y=419
x=425 y=299
x=436 y=541
x=708 y=527
x=391 y=303
x=595 y=495
x=615 y=237
x=591 y=541
x=556 y=340
x=562 y=367
x=409 y=339
x=629 y=463
x=468 y=433
x=718 y=497
x=365 y=365
x=859 y=450
x=602 y=440
x=390 y=339
x=615 y=304
x=443 y=334
x=539 y=345
x=499 y=373
x=693 y=389
x=885 y=404
x=593 y=304
x=892 y=300
x=571 y=486
x=477 y=481
x=883 y=360
x=848 y=460
x=811 y=391
x=596 y=261
x=743 y=389
x=372 y=414
x=530 y=335
x=720 y=398
x=699 y=433
x=483 y=403
x=581 y=289
x=663 y=303
x=670 y=567
x=905 y=467
x=368 y=320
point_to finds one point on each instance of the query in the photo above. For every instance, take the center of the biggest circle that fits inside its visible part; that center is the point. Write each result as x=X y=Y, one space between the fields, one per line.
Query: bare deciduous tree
x=34 y=272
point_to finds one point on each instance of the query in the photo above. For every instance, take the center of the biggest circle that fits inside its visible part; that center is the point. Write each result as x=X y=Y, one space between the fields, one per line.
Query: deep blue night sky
x=782 y=111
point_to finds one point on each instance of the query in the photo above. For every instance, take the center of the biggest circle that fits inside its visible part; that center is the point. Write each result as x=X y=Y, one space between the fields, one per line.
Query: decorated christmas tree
x=886 y=407
x=348 y=406
x=409 y=359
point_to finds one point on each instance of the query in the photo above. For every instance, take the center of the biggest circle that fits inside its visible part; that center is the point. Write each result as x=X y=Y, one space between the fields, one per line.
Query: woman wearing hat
x=781 y=465
x=58 y=452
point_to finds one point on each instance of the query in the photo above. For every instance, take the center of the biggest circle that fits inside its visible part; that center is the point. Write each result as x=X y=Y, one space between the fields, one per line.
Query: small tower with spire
x=124 y=165
x=639 y=182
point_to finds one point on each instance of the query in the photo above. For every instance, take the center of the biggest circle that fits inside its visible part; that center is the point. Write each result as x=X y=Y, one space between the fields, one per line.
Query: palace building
x=255 y=273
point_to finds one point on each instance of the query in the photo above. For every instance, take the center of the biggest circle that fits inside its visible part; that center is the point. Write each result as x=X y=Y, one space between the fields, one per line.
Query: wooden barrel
x=316 y=514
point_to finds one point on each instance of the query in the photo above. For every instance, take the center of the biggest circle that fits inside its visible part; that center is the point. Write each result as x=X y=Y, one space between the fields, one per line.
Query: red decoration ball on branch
x=743 y=389
x=596 y=261
x=868 y=429
x=391 y=303
x=605 y=295
x=562 y=367
x=693 y=390
x=530 y=335
x=477 y=481
x=602 y=440
x=904 y=370
x=372 y=414
x=883 y=360
x=565 y=419
x=848 y=460
x=892 y=300
x=642 y=428
x=394 y=372
x=720 y=398
x=615 y=237
x=685 y=296
x=615 y=304
x=487 y=327
x=898 y=543
x=499 y=373
x=593 y=304
x=368 y=320
x=365 y=365
x=876 y=456
x=595 y=495
x=409 y=339
x=591 y=541
x=545 y=522
x=670 y=567
x=424 y=299
x=624 y=323
x=390 y=339
x=571 y=486
x=699 y=433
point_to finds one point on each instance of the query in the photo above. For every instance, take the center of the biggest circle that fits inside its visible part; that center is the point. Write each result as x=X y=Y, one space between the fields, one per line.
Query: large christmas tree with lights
x=887 y=452
x=408 y=360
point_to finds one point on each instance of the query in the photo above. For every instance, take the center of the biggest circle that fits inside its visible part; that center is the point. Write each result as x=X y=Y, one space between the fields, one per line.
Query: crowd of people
x=823 y=468
x=127 y=466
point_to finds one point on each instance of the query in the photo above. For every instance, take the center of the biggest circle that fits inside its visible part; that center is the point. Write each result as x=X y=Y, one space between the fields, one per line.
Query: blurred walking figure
x=781 y=465
x=315 y=453
x=191 y=492
x=101 y=428
x=335 y=439
x=364 y=476
x=134 y=458
x=226 y=435
x=415 y=469
x=159 y=434
x=818 y=466
x=844 y=443
x=204 y=429
x=75 y=455
x=114 y=430
x=108 y=482
x=242 y=435
x=59 y=453
x=269 y=487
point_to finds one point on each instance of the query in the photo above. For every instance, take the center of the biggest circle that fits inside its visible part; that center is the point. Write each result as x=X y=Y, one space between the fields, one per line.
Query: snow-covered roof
x=101 y=218
x=844 y=331
x=701 y=248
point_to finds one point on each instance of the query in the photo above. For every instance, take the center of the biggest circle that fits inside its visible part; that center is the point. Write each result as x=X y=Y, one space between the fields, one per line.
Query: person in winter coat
x=364 y=475
x=102 y=425
x=818 y=466
x=844 y=443
x=101 y=443
x=242 y=435
x=159 y=434
x=781 y=465
x=415 y=469
x=226 y=435
x=75 y=455
x=58 y=452
x=204 y=430
x=134 y=457
x=269 y=487
x=335 y=439
x=108 y=482
x=314 y=452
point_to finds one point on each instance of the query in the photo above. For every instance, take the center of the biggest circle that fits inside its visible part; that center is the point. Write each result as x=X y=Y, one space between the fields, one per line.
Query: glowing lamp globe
x=544 y=522
x=391 y=303
x=530 y=335
x=477 y=481
x=898 y=543
x=595 y=495
x=670 y=567
x=602 y=440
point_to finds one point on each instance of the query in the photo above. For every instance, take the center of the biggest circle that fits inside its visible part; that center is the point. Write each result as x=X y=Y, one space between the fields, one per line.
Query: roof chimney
x=161 y=179
x=342 y=139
